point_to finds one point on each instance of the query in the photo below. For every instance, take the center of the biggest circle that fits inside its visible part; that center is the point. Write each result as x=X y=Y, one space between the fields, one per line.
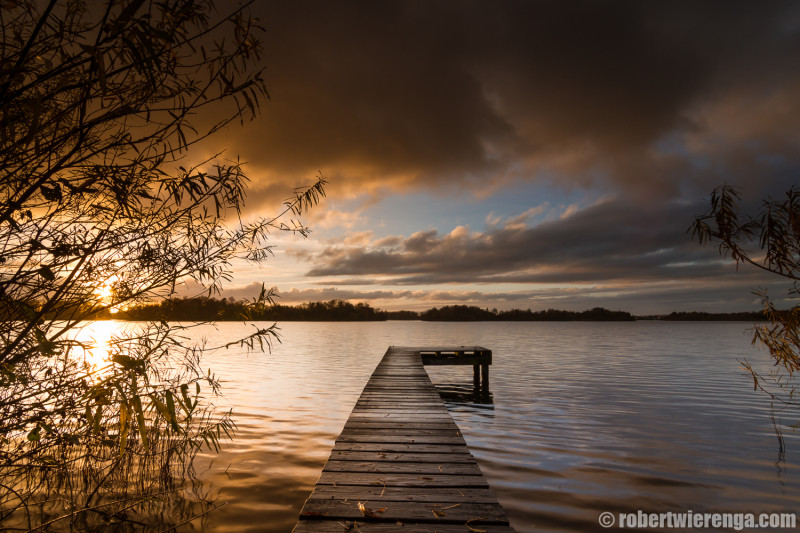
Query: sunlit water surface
x=586 y=418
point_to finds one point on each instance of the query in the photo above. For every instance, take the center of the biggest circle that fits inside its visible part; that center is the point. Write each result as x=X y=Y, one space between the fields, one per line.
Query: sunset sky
x=521 y=154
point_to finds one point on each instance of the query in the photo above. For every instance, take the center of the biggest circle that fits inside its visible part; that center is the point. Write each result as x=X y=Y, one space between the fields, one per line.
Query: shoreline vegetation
x=229 y=309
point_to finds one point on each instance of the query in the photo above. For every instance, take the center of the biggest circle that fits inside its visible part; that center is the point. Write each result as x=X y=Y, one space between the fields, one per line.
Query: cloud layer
x=648 y=104
x=400 y=95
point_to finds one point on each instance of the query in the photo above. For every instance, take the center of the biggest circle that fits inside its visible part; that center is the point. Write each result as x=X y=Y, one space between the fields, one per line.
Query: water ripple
x=585 y=418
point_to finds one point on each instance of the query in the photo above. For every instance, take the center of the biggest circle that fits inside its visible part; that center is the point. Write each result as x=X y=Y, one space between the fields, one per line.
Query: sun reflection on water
x=98 y=335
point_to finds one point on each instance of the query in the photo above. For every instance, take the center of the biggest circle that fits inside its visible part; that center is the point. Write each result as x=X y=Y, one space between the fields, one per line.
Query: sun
x=105 y=293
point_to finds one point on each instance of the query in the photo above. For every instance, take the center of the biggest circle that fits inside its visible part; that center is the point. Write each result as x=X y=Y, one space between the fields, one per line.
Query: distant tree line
x=213 y=309
x=701 y=316
x=204 y=309
x=473 y=313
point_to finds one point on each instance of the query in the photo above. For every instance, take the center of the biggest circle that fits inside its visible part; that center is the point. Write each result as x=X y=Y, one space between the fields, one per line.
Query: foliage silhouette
x=212 y=309
x=100 y=209
x=472 y=313
x=204 y=308
x=700 y=316
x=769 y=241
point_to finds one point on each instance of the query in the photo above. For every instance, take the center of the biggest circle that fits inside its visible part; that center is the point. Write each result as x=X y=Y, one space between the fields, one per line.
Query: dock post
x=476 y=377
x=485 y=379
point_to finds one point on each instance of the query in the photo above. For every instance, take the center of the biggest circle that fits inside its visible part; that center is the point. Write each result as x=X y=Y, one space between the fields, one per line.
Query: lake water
x=586 y=418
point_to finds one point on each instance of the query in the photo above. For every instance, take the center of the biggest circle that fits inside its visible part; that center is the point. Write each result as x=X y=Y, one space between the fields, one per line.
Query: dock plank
x=489 y=513
x=390 y=494
x=411 y=430
x=392 y=447
x=415 y=420
x=389 y=467
x=399 y=439
x=344 y=526
x=400 y=480
x=437 y=458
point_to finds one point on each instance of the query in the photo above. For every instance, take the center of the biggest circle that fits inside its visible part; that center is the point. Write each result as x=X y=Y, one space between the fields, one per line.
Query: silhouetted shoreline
x=213 y=309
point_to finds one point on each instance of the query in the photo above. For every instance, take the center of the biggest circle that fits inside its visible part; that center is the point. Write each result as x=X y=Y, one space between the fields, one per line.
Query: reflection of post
x=476 y=376
x=485 y=379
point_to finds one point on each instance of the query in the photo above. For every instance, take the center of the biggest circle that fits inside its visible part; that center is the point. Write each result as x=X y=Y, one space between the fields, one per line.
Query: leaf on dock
x=370 y=513
x=451 y=506
x=380 y=482
x=475 y=529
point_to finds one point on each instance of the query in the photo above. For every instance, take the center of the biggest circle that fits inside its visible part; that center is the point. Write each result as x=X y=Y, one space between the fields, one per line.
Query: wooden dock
x=401 y=464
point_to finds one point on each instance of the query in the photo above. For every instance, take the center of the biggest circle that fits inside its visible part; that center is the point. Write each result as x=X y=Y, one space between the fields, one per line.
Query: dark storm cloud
x=420 y=94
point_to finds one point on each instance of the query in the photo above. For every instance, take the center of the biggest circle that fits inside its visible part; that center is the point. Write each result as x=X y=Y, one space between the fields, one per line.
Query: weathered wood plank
x=380 y=467
x=387 y=423
x=397 y=404
x=401 y=407
x=400 y=480
x=418 y=494
x=400 y=439
x=437 y=458
x=410 y=431
x=419 y=390
x=404 y=511
x=405 y=397
x=414 y=420
x=359 y=412
x=344 y=526
x=401 y=411
x=381 y=412
x=401 y=448
x=431 y=415
x=417 y=417
x=382 y=394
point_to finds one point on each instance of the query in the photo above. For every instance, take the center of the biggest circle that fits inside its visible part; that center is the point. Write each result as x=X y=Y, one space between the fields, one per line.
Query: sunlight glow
x=105 y=293
x=99 y=334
